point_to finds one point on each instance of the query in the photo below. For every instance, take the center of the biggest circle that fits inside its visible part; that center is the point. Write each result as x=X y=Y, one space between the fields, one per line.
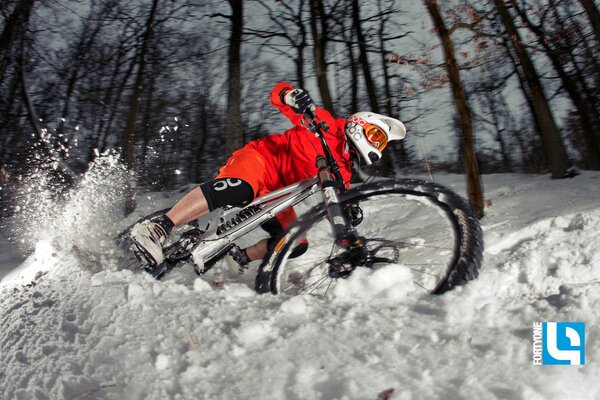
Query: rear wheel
x=424 y=227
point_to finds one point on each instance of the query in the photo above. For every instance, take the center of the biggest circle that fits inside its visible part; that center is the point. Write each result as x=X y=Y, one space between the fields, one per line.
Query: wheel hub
x=356 y=254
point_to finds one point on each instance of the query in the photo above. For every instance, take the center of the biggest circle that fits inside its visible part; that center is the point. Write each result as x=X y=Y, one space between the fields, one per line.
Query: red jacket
x=290 y=156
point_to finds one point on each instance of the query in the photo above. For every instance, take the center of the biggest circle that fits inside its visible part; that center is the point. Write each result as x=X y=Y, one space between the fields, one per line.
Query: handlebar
x=311 y=122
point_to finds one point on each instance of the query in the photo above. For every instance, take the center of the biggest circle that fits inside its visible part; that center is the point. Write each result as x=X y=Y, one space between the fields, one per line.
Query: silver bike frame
x=272 y=203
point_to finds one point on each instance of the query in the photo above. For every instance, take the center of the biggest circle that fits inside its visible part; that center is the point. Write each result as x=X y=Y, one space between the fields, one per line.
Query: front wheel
x=422 y=226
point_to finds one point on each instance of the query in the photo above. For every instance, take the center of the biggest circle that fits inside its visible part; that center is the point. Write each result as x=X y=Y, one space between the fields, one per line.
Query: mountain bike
x=425 y=227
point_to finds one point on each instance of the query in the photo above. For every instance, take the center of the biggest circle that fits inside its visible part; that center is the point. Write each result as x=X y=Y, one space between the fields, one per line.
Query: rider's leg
x=209 y=196
x=150 y=236
x=275 y=227
x=258 y=250
x=191 y=206
x=238 y=182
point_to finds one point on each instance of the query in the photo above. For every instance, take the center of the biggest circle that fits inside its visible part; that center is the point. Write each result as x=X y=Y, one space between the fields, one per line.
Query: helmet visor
x=376 y=136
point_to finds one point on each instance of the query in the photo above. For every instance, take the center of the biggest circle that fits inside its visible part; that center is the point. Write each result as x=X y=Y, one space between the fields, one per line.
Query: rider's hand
x=299 y=100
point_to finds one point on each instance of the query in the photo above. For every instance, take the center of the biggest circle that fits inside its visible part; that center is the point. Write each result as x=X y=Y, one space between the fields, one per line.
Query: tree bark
x=558 y=160
x=594 y=17
x=363 y=57
x=234 y=134
x=588 y=128
x=469 y=158
x=301 y=47
x=353 y=78
x=350 y=59
x=134 y=106
x=15 y=23
x=320 y=38
x=11 y=37
x=524 y=89
x=59 y=167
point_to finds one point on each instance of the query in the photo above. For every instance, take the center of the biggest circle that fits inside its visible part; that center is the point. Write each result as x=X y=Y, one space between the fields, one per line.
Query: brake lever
x=311 y=122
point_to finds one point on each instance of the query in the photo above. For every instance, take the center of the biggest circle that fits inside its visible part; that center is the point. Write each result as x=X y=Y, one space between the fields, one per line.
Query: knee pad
x=227 y=192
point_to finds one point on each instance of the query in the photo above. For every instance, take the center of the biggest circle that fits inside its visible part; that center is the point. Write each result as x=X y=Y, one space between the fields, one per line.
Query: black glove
x=299 y=100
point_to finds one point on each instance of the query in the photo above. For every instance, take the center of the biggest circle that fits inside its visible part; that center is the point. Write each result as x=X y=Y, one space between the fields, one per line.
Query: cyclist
x=271 y=163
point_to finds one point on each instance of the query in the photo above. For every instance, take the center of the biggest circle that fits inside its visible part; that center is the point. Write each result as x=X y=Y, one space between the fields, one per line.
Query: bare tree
x=12 y=47
x=13 y=31
x=289 y=25
x=474 y=189
x=363 y=57
x=234 y=133
x=556 y=154
x=320 y=35
x=496 y=114
x=584 y=112
x=134 y=105
x=594 y=16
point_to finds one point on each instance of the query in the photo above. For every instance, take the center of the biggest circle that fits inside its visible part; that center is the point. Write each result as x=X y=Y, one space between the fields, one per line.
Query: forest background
x=174 y=86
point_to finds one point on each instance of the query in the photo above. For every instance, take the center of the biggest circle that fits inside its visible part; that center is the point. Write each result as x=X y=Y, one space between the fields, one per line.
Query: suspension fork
x=342 y=231
x=332 y=184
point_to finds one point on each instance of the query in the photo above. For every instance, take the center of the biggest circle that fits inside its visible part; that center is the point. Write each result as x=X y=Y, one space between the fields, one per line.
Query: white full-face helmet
x=370 y=133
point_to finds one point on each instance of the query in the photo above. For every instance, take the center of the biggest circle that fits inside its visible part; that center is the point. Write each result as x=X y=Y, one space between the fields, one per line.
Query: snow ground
x=75 y=325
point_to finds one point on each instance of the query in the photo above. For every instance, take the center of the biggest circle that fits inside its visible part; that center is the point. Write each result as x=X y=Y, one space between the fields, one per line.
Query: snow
x=76 y=325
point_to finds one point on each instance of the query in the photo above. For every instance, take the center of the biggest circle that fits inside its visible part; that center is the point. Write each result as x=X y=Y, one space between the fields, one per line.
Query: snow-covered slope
x=76 y=326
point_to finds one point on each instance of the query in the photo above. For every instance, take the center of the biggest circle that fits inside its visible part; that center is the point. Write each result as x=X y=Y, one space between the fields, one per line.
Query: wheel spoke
x=422 y=272
x=411 y=226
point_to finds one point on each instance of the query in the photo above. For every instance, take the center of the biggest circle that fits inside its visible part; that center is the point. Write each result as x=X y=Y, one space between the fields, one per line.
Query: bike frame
x=328 y=181
x=212 y=244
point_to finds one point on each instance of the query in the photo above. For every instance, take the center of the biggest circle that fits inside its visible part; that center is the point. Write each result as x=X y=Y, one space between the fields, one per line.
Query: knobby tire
x=466 y=246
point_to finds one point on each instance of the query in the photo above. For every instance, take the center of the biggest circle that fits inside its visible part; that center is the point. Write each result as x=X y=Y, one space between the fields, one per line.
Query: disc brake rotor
x=342 y=265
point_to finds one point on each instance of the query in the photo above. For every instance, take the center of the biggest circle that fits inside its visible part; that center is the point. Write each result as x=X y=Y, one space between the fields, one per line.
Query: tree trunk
x=363 y=57
x=583 y=68
x=146 y=119
x=14 y=27
x=59 y=168
x=301 y=47
x=234 y=135
x=384 y=167
x=11 y=43
x=106 y=109
x=115 y=102
x=320 y=39
x=199 y=139
x=134 y=106
x=593 y=16
x=523 y=85
x=589 y=131
x=352 y=63
x=554 y=148
x=474 y=189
